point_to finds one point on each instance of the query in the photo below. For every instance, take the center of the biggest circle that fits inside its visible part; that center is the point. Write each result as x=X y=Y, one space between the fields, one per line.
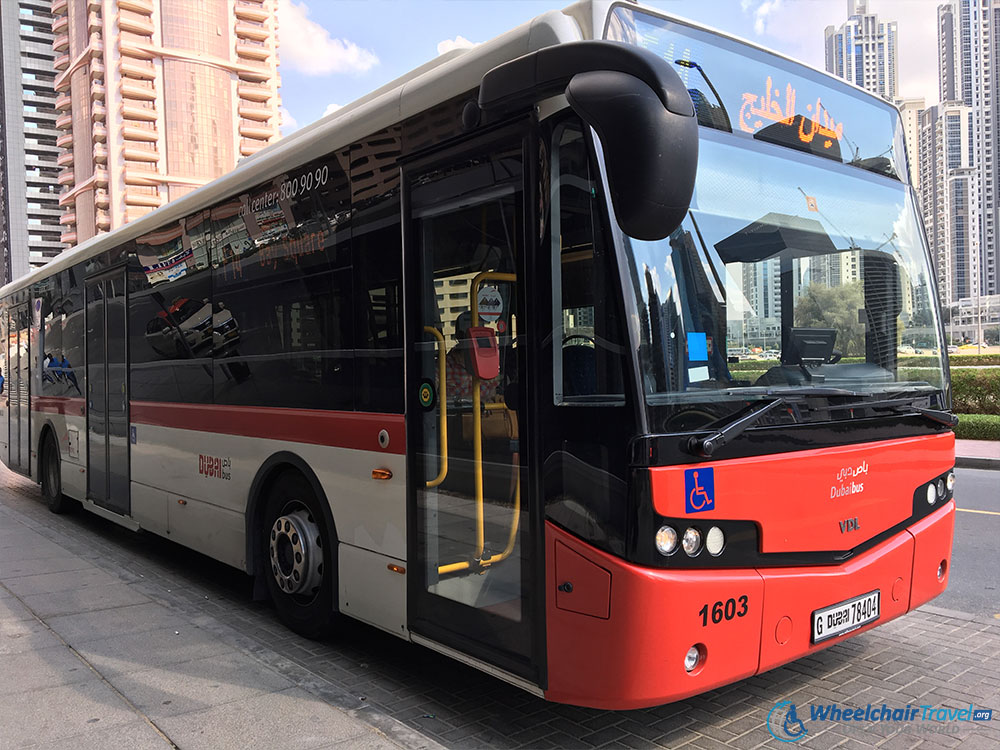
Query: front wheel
x=299 y=557
x=52 y=477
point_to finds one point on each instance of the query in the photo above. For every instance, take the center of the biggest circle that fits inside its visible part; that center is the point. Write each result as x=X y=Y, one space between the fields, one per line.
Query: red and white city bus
x=459 y=361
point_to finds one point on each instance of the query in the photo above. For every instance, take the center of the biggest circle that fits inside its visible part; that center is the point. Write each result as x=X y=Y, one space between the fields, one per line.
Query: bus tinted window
x=170 y=313
x=587 y=367
x=282 y=291
x=378 y=272
x=72 y=364
x=60 y=337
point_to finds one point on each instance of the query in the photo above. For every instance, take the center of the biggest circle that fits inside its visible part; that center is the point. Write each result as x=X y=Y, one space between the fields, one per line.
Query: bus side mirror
x=651 y=152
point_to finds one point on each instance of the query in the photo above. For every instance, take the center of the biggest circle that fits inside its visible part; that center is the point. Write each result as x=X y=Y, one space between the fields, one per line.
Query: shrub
x=975 y=391
x=978 y=427
x=973 y=360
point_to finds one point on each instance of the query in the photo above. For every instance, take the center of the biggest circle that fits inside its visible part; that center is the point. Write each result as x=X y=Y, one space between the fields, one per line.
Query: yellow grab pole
x=477 y=417
x=442 y=408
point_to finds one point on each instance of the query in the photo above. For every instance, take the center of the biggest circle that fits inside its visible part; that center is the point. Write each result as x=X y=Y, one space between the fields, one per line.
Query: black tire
x=51 y=476
x=288 y=561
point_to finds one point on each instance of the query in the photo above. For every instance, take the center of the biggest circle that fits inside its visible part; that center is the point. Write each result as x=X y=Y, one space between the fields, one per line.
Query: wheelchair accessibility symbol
x=699 y=489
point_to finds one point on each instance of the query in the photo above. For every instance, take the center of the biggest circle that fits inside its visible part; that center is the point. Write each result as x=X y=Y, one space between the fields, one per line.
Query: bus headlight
x=950 y=481
x=715 y=540
x=666 y=540
x=940 y=487
x=691 y=541
x=931 y=494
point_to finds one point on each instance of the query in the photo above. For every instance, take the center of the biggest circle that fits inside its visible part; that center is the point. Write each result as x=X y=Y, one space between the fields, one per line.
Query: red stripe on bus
x=339 y=429
x=59 y=405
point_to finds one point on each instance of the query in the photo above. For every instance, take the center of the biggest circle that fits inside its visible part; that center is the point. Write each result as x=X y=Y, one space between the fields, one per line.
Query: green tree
x=835 y=307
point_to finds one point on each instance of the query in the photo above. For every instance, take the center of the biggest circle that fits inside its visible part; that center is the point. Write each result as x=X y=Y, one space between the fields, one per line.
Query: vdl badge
x=699 y=489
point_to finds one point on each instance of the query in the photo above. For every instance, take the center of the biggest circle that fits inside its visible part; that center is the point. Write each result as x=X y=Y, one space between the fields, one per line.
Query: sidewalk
x=977 y=454
x=91 y=660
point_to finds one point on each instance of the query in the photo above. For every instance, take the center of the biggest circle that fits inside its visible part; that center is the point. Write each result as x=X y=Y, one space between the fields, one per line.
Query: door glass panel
x=23 y=400
x=97 y=455
x=117 y=396
x=107 y=395
x=10 y=388
x=472 y=513
x=16 y=387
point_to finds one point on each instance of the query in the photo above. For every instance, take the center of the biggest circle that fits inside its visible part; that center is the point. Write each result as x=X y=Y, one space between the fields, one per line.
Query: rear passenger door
x=107 y=393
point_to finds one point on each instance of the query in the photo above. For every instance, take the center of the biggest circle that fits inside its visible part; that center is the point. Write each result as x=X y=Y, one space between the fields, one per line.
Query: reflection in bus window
x=170 y=320
x=280 y=324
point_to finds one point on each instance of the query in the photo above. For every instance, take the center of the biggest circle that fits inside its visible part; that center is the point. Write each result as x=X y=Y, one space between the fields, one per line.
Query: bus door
x=472 y=584
x=107 y=393
x=16 y=386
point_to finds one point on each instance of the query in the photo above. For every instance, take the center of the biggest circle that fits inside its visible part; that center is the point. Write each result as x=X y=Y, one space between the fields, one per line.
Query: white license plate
x=841 y=618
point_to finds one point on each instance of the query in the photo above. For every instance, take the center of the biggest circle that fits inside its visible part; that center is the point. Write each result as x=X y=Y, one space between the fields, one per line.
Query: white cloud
x=288 y=123
x=459 y=42
x=762 y=13
x=331 y=108
x=308 y=47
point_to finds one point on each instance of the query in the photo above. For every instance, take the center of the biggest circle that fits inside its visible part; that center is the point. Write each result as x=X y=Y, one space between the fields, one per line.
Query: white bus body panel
x=370 y=591
x=370 y=515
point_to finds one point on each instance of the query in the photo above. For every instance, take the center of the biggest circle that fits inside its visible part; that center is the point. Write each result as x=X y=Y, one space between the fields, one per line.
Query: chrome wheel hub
x=296 y=553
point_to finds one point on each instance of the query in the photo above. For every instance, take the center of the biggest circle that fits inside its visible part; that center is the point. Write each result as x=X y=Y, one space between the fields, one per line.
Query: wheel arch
x=273 y=467
x=46 y=428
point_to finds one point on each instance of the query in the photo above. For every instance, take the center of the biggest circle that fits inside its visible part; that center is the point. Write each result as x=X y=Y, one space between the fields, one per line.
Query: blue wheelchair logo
x=699 y=489
x=783 y=724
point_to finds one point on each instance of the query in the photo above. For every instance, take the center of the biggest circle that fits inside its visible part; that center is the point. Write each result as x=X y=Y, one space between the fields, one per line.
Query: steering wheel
x=579 y=336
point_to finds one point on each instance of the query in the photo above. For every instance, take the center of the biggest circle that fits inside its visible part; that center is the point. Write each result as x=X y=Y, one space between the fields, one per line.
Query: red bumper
x=618 y=639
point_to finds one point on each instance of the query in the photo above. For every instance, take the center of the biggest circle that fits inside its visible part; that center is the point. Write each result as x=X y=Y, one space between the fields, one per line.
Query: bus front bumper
x=618 y=638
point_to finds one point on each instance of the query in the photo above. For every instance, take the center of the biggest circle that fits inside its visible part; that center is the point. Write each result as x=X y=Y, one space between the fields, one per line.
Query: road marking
x=986 y=512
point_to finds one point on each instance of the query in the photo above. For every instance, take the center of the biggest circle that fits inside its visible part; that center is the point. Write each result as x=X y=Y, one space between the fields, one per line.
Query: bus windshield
x=791 y=274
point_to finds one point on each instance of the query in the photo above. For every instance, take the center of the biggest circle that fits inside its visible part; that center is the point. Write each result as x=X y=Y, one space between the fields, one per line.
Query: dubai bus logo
x=699 y=489
x=214 y=467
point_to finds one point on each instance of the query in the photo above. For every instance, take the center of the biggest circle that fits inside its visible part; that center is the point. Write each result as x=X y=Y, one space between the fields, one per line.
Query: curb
x=971 y=462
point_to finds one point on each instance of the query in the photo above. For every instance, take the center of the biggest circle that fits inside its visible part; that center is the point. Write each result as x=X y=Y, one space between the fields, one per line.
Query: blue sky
x=334 y=51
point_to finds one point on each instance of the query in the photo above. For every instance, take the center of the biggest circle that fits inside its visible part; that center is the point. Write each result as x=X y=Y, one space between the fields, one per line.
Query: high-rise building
x=947 y=182
x=969 y=43
x=909 y=110
x=157 y=97
x=29 y=191
x=863 y=50
x=955 y=52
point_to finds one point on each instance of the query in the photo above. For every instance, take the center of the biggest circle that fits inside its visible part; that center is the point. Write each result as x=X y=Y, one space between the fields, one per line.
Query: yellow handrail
x=477 y=416
x=477 y=452
x=442 y=408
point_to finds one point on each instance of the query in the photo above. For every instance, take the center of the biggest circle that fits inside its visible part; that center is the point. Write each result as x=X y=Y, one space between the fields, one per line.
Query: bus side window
x=281 y=319
x=377 y=253
x=50 y=348
x=588 y=366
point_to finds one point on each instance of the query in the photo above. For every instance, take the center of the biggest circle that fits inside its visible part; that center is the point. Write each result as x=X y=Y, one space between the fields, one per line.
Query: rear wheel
x=52 y=476
x=299 y=564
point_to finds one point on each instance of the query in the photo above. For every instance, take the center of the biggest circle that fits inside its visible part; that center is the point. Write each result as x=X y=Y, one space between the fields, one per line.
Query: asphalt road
x=974 y=586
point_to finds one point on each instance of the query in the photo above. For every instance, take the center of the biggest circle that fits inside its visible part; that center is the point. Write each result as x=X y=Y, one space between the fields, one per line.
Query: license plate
x=838 y=619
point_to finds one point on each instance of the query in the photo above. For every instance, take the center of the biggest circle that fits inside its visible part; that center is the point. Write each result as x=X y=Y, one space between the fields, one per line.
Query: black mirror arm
x=546 y=72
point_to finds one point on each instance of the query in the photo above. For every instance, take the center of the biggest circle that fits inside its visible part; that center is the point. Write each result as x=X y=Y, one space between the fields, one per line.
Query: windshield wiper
x=811 y=391
x=706 y=446
x=902 y=405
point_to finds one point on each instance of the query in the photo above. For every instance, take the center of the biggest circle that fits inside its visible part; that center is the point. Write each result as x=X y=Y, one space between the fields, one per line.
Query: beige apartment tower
x=156 y=98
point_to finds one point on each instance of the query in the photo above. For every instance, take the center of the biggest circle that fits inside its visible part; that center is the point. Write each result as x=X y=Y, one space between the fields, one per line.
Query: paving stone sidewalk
x=94 y=655
x=977 y=454
x=163 y=645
